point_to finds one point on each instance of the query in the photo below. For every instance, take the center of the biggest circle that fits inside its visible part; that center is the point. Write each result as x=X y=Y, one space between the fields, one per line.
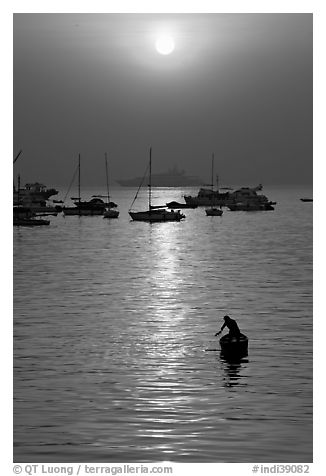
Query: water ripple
x=111 y=324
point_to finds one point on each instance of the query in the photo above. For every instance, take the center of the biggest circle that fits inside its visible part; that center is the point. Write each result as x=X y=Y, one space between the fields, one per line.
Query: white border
x=315 y=7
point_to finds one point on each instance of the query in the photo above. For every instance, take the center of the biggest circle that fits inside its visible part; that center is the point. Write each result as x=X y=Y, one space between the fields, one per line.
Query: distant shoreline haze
x=91 y=175
x=97 y=177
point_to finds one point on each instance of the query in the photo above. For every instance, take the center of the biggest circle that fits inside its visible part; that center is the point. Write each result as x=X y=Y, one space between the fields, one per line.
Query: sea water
x=115 y=358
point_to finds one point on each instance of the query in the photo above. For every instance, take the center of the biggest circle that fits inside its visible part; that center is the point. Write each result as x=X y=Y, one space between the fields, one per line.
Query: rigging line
x=73 y=179
x=141 y=183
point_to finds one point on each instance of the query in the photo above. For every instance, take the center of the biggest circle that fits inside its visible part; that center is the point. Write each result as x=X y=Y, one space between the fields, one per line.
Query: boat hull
x=74 y=211
x=157 y=215
x=233 y=346
x=250 y=207
x=214 y=212
x=45 y=210
x=22 y=212
x=216 y=201
x=30 y=222
x=179 y=205
x=111 y=214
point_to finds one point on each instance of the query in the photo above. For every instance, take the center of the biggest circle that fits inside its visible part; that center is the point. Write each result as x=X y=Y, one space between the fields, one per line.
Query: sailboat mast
x=212 y=180
x=150 y=179
x=107 y=177
x=212 y=171
x=79 y=178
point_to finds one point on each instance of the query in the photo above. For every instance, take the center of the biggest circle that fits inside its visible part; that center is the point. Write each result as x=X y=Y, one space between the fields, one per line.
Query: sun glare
x=164 y=45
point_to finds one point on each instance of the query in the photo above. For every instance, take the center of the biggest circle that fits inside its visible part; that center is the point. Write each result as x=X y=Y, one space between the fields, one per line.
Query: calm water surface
x=113 y=319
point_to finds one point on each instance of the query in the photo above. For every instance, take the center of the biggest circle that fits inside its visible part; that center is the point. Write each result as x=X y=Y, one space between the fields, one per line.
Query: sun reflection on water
x=165 y=405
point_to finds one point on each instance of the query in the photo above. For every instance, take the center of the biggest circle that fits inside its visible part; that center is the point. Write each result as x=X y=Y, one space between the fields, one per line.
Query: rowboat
x=233 y=345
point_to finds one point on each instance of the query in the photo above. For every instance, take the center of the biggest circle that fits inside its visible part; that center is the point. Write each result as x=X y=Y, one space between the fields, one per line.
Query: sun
x=164 y=44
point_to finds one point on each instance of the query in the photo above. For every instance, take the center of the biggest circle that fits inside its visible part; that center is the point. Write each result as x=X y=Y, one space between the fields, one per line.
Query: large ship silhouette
x=172 y=178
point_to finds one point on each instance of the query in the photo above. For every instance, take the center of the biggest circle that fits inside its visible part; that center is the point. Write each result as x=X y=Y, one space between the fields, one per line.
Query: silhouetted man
x=231 y=324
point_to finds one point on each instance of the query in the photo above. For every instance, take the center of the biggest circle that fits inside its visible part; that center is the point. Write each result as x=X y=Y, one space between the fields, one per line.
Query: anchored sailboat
x=213 y=211
x=153 y=214
x=95 y=206
x=109 y=212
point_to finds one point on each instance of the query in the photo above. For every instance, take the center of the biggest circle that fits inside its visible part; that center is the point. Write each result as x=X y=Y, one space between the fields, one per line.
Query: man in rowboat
x=233 y=327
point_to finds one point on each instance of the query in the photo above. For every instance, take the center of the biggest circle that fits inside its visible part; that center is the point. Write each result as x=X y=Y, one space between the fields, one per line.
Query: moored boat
x=95 y=206
x=306 y=199
x=174 y=204
x=247 y=199
x=25 y=216
x=22 y=212
x=213 y=211
x=208 y=197
x=39 y=207
x=159 y=214
x=211 y=197
x=153 y=214
x=34 y=197
x=109 y=212
x=33 y=192
x=250 y=206
x=30 y=222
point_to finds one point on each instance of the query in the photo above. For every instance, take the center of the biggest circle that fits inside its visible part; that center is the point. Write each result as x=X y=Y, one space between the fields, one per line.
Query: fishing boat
x=233 y=345
x=153 y=214
x=213 y=211
x=109 y=212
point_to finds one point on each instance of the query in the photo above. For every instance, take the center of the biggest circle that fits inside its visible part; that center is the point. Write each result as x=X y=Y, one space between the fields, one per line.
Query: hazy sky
x=238 y=85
